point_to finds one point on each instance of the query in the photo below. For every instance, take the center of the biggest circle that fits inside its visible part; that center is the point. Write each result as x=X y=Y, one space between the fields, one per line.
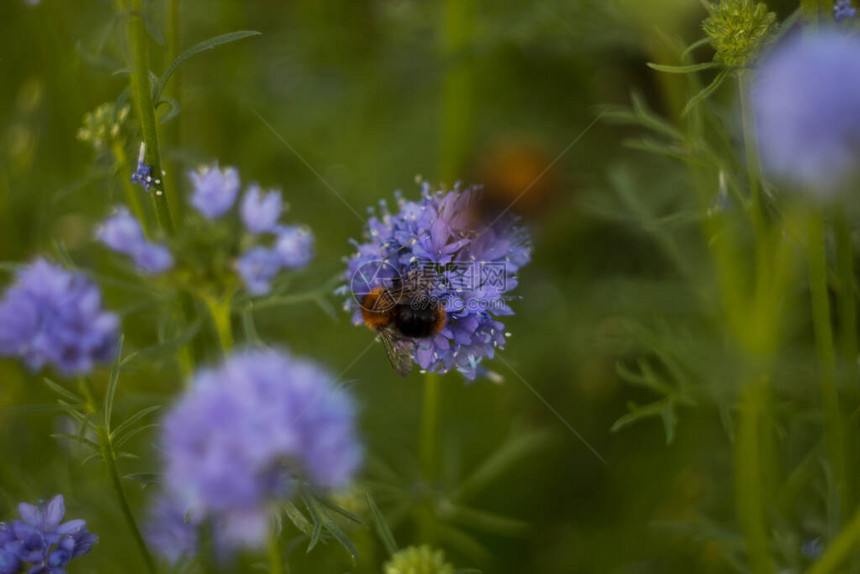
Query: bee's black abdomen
x=418 y=321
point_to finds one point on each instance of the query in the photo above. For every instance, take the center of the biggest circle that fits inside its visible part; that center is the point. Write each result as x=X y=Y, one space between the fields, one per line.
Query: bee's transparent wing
x=399 y=350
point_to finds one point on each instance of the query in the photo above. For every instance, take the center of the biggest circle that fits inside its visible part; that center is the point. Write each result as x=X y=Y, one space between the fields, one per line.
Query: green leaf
x=76 y=438
x=488 y=521
x=684 y=69
x=506 y=457
x=705 y=93
x=132 y=433
x=695 y=46
x=382 y=527
x=202 y=47
x=342 y=511
x=76 y=400
x=144 y=478
x=335 y=530
x=130 y=421
x=317 y=520
x=298 y=519
x=113 y=383
x=174 y=110
x=637 y=413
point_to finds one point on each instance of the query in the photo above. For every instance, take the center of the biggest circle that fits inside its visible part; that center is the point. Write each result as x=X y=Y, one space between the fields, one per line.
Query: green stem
x=749 y=455
x=427 y=452
x=812 y=10
x=172 y=129
x=141 y=89
x=276 y=558
x=458 y=86
x=847 y=306
x=109 y=457
x=826 y=354
x=753 y=162
x=220 y=310
x=842 y=548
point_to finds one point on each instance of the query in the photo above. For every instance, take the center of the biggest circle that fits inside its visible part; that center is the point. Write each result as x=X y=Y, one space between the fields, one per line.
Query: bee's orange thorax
x=376 y=309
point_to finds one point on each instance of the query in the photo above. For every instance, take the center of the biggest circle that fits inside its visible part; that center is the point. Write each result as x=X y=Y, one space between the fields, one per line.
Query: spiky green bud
x=418 y=560
x=738 y=29
x=103 y=125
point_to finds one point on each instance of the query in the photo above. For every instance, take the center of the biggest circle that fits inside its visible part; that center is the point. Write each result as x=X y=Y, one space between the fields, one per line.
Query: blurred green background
x=371 y=94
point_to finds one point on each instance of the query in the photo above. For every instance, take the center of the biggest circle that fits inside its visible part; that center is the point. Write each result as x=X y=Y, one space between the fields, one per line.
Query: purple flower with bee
x=433 y=280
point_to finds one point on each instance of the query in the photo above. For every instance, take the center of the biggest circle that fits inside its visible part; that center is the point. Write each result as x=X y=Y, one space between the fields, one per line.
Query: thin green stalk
x=753 y=162
x=749 y=455
x=172 y=130
x=458 y=85
x=826 y=355
x=812 y=10
x=427 y=451
x=109 y=457
x=846 y=304
x=276 y=558
x=141 y=90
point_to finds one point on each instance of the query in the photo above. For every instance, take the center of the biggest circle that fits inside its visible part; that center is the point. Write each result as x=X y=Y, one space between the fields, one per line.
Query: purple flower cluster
x=122 y=233
x=247 y=432
x=214 y=195
x=54 y=316
x=474 y=263
x=806 y=102
x=40 y=543
x=843 y=10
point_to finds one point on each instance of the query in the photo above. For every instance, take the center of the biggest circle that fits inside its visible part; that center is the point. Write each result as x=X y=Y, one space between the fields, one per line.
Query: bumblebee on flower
x=437 y=263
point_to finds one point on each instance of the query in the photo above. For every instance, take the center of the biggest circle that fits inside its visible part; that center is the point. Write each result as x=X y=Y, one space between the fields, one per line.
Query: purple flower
x=257 y=268
x=41 y=540
x=806 y=101
x=53 y=316
x=170 y=531
x=469 y=267
x=294 y=245
x=122 y=233
x=260 y=212
x=843 y=10
x=247 y=431
x=215 y=190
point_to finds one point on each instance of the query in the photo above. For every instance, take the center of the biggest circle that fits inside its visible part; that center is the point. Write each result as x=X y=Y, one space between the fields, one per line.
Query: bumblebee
x=399 y=315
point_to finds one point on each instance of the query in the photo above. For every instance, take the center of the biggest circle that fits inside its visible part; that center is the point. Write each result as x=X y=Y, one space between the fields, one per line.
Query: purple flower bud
x=257 y=268
x=260 y=212
x=215 y=190
x=294 y=245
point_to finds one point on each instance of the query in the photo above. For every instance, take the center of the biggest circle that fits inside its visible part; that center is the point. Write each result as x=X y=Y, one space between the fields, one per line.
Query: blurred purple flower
x=171 y=532
x=53 y=316
x=294 y=245
x=806 y=101
x=247 y=431
x=215 y=190
x=261 y=211
x=122 y=233
x=41 y=540
x=472 y=271
x=257 y=267
x=843 y=10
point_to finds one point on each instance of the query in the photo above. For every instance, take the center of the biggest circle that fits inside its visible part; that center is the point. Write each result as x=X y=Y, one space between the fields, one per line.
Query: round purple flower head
x=122 y=233
x=54 y=316
x=41 y=541
x=247 y=431
x=806 y=101
x=215 y=190
x=468 y=267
